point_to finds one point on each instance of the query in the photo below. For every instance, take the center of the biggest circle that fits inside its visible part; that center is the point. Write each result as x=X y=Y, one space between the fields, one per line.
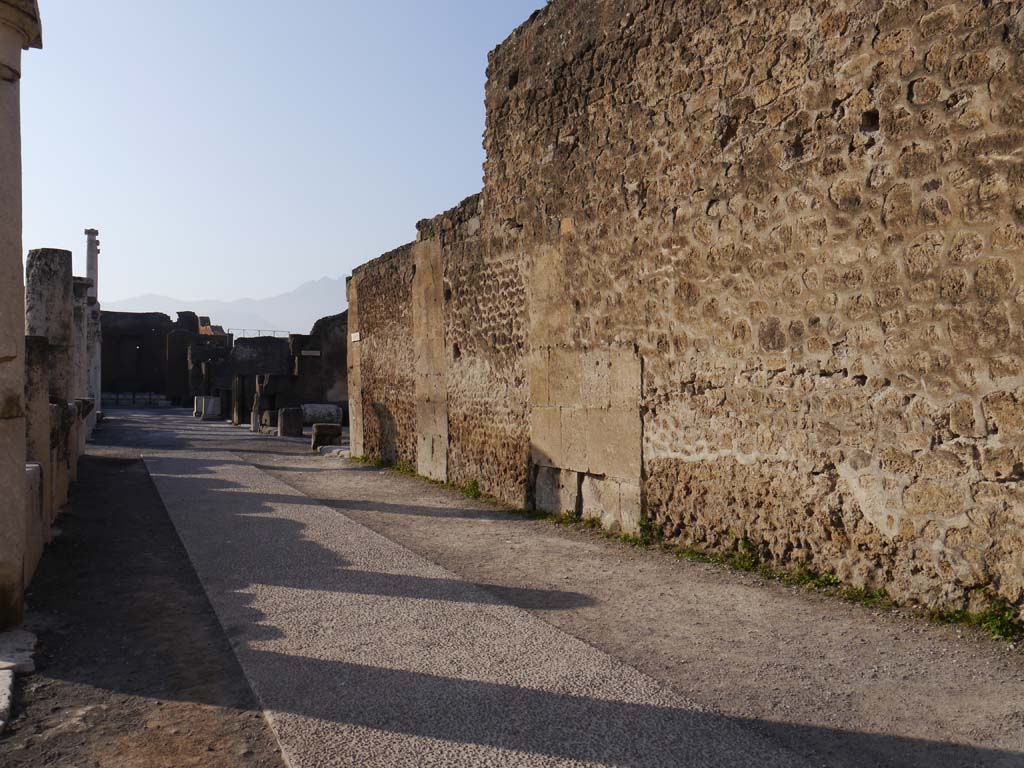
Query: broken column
x=37 y=433
x=19 y=28
x=94 y=342
x=49 y=312
x=80 y=355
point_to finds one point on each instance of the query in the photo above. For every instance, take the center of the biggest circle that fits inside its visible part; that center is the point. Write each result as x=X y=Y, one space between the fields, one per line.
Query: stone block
x=37 y=522
x=574 y=447
x=324 y=413
x=612 y=441
x=564 y=377
x=556 y=491
x=545 y=489
x=595 y=385
x=211 y=408
x=624 y=378
x=546 y=437
x=629 y=507
x=537 y=371
x=326 y=434
x=601 y=501
x=289 y=422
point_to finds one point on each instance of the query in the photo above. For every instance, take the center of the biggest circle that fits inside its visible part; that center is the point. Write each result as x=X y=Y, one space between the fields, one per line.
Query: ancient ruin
x=696 y=437
x=758 y=300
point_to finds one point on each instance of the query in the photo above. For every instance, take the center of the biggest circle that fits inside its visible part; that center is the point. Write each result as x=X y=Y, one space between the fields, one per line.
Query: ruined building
x=49 y=350
x=748 y=273
x=149 y=359
x=144 y=353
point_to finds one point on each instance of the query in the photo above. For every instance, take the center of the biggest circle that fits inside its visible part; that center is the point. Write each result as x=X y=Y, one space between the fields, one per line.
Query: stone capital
x=23 y=16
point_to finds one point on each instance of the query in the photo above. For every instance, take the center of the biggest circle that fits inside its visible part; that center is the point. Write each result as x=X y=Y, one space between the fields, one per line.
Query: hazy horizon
x=227 y=150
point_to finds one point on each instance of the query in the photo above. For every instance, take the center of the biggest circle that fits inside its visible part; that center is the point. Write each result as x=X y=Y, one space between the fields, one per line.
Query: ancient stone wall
x=751 y=271
x=134 y=351
x=384 y=391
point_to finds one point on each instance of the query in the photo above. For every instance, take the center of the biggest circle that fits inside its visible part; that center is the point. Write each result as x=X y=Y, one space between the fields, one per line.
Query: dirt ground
x=133 y=669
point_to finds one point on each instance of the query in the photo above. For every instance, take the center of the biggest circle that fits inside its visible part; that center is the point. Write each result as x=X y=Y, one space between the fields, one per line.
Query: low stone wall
x=747 y=271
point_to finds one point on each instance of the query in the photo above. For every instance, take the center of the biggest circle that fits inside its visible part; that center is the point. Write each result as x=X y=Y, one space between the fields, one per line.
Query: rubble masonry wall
x=749 y=271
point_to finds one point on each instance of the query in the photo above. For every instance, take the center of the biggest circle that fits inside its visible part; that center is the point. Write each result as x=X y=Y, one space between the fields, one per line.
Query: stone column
x=80 y=323
x=80 y=361
x=94 y=330
x=19 y=28
x=49 y=312
x=94 y=350
x=37 y=447
x=92 y=261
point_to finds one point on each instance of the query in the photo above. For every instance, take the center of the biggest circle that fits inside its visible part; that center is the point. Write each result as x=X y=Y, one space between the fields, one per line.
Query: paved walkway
x=364 y=653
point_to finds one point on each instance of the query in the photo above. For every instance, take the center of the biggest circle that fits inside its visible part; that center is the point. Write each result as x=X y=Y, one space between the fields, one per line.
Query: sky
x=238 y=148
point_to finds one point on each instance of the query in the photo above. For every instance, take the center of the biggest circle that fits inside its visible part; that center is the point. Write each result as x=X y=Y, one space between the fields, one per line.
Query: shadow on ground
x=450 y=709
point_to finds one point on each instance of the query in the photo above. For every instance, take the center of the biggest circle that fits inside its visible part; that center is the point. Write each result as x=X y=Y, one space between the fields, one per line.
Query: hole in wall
x=727 y=127
x=513 y=79
x=869 y=121
x=456 y=352
x=796 y=148
x=447 y=293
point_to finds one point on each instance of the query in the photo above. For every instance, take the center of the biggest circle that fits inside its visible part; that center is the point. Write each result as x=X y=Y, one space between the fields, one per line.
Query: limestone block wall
x=750 y=271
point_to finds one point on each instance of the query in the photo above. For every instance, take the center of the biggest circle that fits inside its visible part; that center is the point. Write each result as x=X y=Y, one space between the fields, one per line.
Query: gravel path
x=385 y=621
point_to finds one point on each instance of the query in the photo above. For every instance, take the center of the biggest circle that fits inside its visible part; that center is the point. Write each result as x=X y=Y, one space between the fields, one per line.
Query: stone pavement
x=364 y=653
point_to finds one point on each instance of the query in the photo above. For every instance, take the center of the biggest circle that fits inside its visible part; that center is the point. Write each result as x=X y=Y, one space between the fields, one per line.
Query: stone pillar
x=92 y=261
x=94 y=343
x=58 y=460
x=80 y=341
x=49 y=313
x=37 y=418
x=19 y=28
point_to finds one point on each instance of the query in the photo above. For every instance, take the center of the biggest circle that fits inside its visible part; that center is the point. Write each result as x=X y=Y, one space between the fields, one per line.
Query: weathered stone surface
x=322 y=412
x=325 y=434
x=49 y=312
x=289 y=422
x=813 y=258
x=37 y=418
x=211 y=408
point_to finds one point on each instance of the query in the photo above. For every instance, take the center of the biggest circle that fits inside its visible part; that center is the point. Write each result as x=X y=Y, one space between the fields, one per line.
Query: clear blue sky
x=234 y=148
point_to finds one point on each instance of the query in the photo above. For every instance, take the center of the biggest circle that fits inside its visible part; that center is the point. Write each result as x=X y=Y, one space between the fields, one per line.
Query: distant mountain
x=295 y=311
